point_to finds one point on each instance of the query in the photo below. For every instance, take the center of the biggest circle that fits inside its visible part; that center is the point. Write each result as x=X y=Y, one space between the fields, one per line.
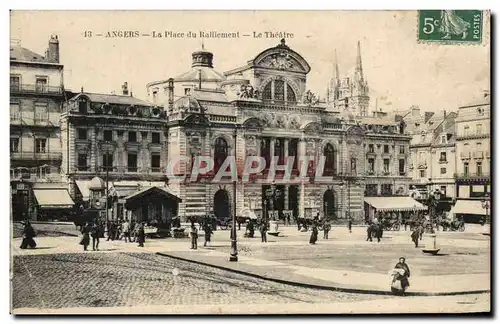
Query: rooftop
x=112 y=99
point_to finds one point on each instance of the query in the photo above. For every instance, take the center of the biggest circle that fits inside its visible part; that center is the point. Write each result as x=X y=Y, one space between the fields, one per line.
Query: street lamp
x=234 y=249
x=485 y=203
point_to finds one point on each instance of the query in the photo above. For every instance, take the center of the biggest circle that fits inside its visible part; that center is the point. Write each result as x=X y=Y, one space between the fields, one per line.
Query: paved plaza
x=350 y=271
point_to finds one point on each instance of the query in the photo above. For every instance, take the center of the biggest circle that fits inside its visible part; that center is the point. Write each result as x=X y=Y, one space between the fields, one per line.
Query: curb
x=322 y=287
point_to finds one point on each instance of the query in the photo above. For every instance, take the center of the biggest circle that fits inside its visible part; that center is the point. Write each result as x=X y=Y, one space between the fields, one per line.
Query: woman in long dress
x=452 y=24
x=314 y=234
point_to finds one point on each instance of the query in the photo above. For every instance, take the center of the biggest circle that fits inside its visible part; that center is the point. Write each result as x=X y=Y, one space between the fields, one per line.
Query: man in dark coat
x=28 y=235
x=141 y=235
x=208 y=233
x=263 y=231
x=415 y=236
x=349 y=225
x=95 y=233
x=369 y=232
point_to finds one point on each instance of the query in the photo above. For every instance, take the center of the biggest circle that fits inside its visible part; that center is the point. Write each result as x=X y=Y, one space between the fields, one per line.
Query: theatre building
x=264 y=108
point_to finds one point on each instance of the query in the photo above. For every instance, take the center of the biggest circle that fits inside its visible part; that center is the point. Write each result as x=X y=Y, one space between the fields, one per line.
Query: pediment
x=282 y=57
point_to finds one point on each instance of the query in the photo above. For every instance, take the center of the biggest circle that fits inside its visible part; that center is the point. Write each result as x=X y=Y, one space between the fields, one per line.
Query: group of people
x=207 y=227
x=116 y=230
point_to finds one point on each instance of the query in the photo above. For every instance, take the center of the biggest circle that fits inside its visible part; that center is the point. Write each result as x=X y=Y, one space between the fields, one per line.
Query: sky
x=432 y=76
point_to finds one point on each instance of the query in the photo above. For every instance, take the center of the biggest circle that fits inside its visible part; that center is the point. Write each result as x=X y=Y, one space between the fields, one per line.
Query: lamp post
x=234 y=249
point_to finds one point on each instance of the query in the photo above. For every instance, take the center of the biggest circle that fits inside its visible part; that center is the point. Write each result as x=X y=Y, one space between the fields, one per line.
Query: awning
x=83 y=186
x=53 y=198
x=394 y=203
x=473 y=207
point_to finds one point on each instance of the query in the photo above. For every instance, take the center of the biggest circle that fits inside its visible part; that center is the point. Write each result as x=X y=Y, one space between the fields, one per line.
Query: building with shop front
x=432 y=151
x=263 y=108
x=36 y=96
x=116 y=145
x=473 y=158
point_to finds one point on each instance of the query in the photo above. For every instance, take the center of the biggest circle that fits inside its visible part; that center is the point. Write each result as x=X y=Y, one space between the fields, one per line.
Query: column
x=272 y=143
x=301 y=152
x=286 y=147
x=285 y=207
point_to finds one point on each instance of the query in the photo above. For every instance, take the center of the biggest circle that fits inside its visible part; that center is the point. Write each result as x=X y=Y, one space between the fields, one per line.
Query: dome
x=206 y=73
x=202 y=67
x=97 y=184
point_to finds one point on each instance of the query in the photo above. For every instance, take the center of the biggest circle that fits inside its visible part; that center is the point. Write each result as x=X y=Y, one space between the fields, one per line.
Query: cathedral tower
x=349 y=93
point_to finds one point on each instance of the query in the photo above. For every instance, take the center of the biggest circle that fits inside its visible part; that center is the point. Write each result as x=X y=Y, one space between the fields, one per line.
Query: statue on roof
x=310 y=98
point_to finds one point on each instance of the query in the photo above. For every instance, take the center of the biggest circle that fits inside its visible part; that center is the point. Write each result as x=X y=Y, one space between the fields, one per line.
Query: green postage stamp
x=450 y=26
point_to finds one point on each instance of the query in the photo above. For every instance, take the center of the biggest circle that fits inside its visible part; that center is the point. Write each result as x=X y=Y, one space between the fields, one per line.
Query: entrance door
x=221 y=204
x=329 y=205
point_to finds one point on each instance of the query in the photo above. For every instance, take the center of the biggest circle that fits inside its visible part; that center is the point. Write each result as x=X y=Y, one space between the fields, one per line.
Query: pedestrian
x=288 y=219
x=86 y=237
x=141 y=236
x=28 y=235
x=251 y=229
x=263 y=230
x=194 y=237
x=95 y=232
x=136 y=231
x=314 y=234
x=414 y=236
x=126 y=231
x=208 y=233
x=326 y=228
x=405 y=283
x=349 y=225
x=369 y=231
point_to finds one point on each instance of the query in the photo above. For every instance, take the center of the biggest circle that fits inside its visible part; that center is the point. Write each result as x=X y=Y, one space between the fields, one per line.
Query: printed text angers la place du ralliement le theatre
x=170 y=34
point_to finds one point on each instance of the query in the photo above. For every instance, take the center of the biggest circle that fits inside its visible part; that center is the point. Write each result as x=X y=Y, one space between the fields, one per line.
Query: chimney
x=444 y=113
x=52 y=55
x=427 y=116
x=170 y=93
x=415 y=111
x=125 y=89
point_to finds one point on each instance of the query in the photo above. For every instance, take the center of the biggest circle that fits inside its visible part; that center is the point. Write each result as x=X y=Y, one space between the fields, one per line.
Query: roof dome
x=202 y=67
x=97 y=184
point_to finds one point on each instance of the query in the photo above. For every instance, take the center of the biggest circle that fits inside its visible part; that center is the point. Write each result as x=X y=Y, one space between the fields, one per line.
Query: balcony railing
x=34 y=88
x=131 y=169
x=471 y=175
x=36 y=156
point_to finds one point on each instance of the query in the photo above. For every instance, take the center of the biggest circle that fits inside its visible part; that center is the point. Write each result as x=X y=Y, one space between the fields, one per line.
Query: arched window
x=82 y=105
x=330 y=160
x=267 y=93
x=220 y=153
x=290 y=95
x=279 y=91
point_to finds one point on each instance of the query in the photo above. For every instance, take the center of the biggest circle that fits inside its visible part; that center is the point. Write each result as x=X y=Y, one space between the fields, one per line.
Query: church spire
x=359 y=65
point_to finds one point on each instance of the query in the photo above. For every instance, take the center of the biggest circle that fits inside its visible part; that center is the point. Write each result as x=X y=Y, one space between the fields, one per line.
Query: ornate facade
x=264 y=109
x=117 y=137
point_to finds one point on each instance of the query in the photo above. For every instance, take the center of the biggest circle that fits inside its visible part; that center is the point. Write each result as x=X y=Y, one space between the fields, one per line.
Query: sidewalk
x=343 y=280
x=437 y=305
